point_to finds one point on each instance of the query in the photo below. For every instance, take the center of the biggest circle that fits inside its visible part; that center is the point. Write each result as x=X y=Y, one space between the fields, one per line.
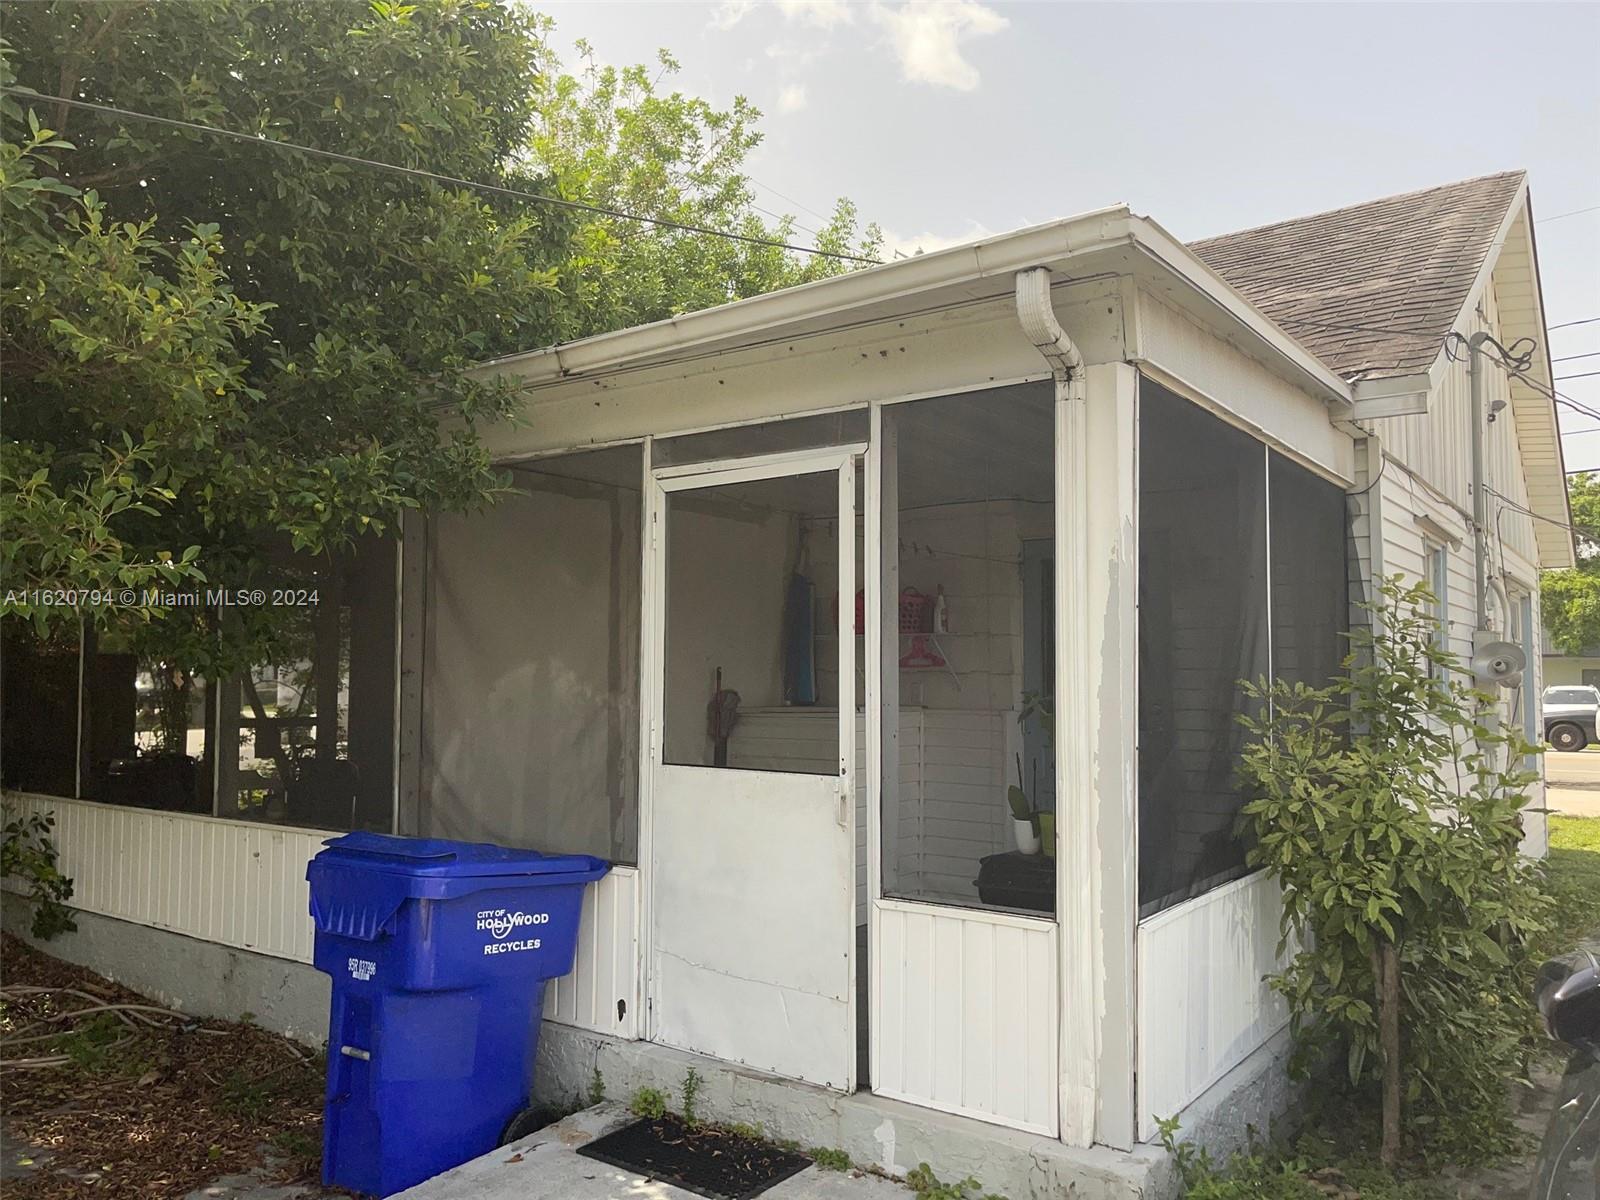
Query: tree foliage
x=1570 y=600
x=1388 y=806
x=215 y=348
x=616 y=139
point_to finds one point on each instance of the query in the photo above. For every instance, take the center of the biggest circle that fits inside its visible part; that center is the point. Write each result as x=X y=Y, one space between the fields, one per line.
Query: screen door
x=752 y=760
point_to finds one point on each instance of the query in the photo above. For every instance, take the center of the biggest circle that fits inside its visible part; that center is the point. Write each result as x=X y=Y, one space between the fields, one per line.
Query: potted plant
x=1024 y=823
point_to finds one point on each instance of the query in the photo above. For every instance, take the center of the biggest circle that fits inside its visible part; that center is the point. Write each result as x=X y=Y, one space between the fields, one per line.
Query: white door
x=751 y=808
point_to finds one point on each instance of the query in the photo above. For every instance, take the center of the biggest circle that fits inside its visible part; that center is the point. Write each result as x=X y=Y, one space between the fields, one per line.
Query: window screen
x=306 y=737
x=968 y=677
x=1202 y=628
x=38 y=711
x=1310 y=588
x=530 y=719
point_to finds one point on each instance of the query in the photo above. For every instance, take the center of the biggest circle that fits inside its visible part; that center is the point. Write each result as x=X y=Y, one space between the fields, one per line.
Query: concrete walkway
x=547 y=1166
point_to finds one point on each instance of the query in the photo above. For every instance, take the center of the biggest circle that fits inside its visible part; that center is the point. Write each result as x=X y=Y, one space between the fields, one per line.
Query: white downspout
x=1081 y=995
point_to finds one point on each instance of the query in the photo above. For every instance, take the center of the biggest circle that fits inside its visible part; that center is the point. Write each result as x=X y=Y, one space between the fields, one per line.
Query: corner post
x=1110 y=570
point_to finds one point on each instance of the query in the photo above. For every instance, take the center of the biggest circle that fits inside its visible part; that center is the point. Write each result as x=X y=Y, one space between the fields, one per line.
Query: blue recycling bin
x=438 y=951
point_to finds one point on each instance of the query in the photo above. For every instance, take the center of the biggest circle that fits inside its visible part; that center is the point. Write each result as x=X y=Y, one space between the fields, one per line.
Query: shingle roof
x=1402 y=263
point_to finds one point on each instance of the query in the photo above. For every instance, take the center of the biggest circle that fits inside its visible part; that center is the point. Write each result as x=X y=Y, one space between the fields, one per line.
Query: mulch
x=142 y=1102
x=704 y=1159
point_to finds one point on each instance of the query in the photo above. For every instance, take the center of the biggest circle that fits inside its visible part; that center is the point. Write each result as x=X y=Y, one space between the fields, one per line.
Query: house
x=1560 y=668
x=789 y=594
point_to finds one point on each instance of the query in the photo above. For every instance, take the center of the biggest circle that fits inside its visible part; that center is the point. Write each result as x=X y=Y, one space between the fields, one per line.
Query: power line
x=1579 y=375
x=420 y=173
x=1570 y=357
x=1577 y=212
x=1569 y=324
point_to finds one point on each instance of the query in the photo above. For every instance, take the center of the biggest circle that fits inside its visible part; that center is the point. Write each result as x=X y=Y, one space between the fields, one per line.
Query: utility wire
x=1577 y=212
x=1521 y=508
x=1570 y=357
x=1579 y=375
x=420 y=173
x=1569 y=324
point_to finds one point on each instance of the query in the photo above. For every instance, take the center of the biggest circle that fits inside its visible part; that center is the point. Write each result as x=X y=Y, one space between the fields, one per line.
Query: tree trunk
x=1388 y=971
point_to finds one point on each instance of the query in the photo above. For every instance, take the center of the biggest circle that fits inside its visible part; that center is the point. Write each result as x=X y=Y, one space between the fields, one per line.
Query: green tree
x=215 y=347
x=1570 y=600
x=328 y=392
x=614 y=138
x=1388 y=806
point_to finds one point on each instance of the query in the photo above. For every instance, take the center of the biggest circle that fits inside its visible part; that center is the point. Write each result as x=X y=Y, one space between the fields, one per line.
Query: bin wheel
x=529 y=1120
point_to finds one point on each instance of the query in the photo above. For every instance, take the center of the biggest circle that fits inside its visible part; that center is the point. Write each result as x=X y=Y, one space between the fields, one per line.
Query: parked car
x=1567 y=992
x=1569 y=716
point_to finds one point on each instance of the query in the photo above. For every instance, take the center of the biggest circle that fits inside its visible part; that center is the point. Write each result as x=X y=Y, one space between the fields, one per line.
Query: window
x=1570 y=695
x=304 y=738
x=968 y=674
x=147 y=733
x=307 y=737
x=1439 y=583
x=1242 y=574
x=753 y=622
x=530 y=662
x=1310 y=589
x=38 y=711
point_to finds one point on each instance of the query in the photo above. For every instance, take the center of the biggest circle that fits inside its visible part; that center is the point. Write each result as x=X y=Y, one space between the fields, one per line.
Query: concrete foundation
x=185 y=973
x=1254 y=1100
x=885 y=1134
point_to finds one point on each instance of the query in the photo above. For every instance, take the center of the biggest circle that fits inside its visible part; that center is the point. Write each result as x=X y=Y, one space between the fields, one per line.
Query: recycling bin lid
x=439 y=858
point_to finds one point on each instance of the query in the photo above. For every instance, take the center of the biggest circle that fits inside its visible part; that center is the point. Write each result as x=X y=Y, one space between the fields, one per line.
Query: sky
x=945 y=121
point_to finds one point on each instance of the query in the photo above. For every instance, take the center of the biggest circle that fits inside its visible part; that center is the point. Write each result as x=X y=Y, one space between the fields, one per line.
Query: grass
x=1574 y=880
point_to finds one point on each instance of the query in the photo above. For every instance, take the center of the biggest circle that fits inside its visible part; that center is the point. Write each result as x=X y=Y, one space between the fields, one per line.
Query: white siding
x=1203 y=1004
x=966 y=1006
x=244 y=885
x=1437 y=445
x=229 y=882
x=602 y=990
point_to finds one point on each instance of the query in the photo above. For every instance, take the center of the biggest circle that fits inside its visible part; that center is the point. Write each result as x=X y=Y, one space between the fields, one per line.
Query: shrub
x=649 y=1103
x=1387 y=805
x=27 y=853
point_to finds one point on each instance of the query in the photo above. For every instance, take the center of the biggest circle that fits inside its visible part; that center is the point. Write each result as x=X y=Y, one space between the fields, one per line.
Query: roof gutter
x=998 y=259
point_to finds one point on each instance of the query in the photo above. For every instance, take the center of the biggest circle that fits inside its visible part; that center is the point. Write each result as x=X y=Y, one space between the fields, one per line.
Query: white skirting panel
x=230 y=882
x=244 y=885
x=1203 y=1005
x=602 y=990
x=965 y=1014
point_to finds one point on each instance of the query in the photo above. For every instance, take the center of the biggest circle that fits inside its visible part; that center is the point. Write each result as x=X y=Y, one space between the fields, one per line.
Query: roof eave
x=1054 y=245
x=1040 y=245
x=1158 y=243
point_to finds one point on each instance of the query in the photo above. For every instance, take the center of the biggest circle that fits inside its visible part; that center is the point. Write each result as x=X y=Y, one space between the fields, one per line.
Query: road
x=1573 y=782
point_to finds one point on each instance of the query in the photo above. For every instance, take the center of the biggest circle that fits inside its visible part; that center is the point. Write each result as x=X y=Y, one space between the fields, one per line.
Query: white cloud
x=896 y=245
x=792 y=98
x=730 y=12
x=824 y=14
x=927 y=37
x=820 y=14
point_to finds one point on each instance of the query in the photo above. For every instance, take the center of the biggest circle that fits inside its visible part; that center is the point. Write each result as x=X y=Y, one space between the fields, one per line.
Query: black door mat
x=701 y=1159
